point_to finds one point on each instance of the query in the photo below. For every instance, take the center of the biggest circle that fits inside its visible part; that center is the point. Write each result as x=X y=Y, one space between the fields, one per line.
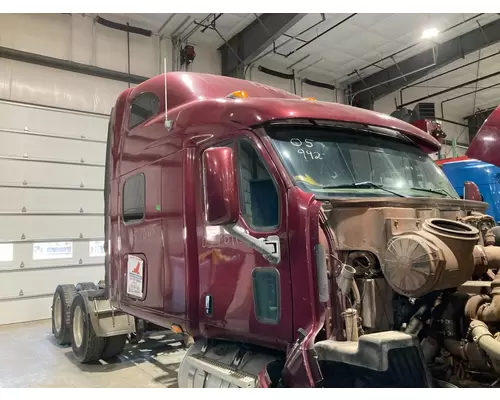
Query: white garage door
x=51 y=205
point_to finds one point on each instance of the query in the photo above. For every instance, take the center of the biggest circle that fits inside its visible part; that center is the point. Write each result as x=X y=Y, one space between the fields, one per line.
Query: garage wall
x=387 y=105
x=302 y=89
x=52 y=160
x=77 y=38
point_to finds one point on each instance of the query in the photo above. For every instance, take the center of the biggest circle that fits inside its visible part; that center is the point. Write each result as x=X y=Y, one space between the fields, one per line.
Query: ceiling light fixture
x=430 y=33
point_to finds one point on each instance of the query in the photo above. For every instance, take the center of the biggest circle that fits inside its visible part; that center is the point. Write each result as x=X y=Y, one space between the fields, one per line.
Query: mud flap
x=106 y=320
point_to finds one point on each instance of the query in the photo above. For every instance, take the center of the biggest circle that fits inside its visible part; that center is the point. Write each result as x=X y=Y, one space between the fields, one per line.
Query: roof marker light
x=309 y=98
x=238 y=94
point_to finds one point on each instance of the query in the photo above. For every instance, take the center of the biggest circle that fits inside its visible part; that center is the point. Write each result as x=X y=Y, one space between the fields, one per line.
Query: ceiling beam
x=390 y=79
x=243 y=47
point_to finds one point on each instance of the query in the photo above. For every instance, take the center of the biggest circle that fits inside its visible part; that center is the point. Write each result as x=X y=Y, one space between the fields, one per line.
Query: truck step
x=222 y=371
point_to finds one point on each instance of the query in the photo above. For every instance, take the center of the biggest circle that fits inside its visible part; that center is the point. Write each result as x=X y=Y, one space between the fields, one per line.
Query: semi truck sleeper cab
x=295 y=243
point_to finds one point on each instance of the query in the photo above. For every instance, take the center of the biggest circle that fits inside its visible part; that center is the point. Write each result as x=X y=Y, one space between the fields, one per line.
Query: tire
x=61 y=313
x=87 y=347
x=114 y=346
x=86 y=286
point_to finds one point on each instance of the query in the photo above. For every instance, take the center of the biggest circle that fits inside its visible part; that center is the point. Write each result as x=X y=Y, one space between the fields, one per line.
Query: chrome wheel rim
x=78 y=326
x=58 y=313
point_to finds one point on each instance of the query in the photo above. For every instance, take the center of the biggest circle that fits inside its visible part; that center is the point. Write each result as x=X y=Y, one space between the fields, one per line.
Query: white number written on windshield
x=306 y=153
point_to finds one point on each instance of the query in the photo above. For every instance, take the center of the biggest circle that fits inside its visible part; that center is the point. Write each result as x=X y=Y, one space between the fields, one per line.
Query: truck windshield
x=332 y=162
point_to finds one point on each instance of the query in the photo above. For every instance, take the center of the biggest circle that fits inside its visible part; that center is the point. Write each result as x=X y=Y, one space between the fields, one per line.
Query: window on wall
x=143 y=108
x=52 y=250
x=258 y=193
x=134 y=190
x=6 y=252
x=96 y=248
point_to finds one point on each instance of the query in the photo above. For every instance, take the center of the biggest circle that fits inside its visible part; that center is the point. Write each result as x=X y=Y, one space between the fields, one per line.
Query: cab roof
x=187 y=87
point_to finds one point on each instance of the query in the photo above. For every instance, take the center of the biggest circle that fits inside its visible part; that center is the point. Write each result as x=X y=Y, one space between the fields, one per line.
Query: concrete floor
x=30 y=358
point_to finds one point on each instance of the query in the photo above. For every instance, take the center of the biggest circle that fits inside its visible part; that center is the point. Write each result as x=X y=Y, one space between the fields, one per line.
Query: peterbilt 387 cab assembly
x=293 y=243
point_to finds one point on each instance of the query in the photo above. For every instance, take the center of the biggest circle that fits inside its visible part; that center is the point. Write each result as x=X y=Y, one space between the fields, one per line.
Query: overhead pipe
x=197 y=26
x=310 y=65
x=323 y=18
x=216 y=17
x=444 y=73
x=393 y=79
x=71 y=66
x=453 y=122
x=179 y=27
x=407 y=48
x=167 y=21
x=318 y=36
x=466 y=94
x=450 y=89
x=299 y=61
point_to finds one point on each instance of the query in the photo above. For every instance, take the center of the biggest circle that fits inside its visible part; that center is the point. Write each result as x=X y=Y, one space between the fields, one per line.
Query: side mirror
x=471 y=191
x=221 y=193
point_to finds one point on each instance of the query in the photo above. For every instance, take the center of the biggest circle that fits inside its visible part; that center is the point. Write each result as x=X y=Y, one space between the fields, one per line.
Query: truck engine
x=426 y=269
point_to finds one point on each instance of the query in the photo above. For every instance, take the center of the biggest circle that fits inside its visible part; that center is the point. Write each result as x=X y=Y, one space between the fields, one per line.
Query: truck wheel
x=114 y=346
x=61 y=310
x=87 y=347
x=86 y=286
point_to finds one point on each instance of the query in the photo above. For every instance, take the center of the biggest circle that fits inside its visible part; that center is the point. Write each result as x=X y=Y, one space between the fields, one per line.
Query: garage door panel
x=47 y=147
x=51 y=205
x=22 y=283
x=14 y=199
x=46 y=174
x=25 y=309
x=26 y=256
x=45 y=120
x=37 y=227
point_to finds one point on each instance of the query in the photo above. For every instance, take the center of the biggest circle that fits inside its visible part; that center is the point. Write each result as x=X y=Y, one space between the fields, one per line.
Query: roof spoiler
x=486 y=144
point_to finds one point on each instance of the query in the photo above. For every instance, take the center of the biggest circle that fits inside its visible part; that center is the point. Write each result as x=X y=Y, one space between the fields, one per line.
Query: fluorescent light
x=430 y=33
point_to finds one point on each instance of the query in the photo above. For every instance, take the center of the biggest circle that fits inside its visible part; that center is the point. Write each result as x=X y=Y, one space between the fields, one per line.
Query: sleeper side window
x=143 y=107
x=134 y=193
x=258 y=193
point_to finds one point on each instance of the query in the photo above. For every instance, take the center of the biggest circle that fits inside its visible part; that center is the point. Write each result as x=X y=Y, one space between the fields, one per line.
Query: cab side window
x=143 y=107
x=258 y=193
x=134 y=193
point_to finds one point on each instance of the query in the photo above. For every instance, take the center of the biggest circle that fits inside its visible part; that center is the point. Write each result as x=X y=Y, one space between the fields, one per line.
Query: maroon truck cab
x=234 y=217
x=175 y=191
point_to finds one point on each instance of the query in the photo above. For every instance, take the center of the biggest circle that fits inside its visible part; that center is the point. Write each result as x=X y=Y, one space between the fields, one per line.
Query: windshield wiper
x=437 y=191
x=367 y=184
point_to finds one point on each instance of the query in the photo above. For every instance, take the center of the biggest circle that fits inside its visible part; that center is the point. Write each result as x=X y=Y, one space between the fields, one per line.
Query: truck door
x=243 y=293
x=140 y=216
